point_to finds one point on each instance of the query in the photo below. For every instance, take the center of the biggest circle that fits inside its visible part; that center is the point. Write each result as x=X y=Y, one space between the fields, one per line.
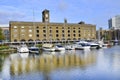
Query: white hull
x=82 y=48
x=23 y=49
x=48 y=49
x=69 y=47
x=34 y=50
x=59 y=48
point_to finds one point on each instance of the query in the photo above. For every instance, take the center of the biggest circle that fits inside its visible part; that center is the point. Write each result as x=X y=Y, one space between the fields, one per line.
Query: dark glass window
x=62 y=31
x=63 y=35
x=74 y=31
x=74 y=35
x=57 y=35
x=44 y=27
x=44 y=31
x=37 y=31
x=50 y=31
x=37 y=27
x=56 y=31
x=68 y=35
x=79 y=35
x=68 y=31
x=37 y=35
x=44 y=35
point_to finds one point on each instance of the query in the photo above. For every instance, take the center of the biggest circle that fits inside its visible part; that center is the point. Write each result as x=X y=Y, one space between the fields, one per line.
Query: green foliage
x=39 y=45
x=1 y=35
x=4 y=47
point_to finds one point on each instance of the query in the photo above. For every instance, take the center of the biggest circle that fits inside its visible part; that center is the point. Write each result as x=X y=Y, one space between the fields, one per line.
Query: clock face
x=46 y=15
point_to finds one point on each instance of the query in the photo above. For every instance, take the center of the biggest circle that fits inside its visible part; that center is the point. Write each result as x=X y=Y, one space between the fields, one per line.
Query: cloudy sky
x=90 y=11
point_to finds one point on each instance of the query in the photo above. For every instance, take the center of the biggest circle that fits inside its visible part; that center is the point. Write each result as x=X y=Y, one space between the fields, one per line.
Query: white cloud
x=9 y=13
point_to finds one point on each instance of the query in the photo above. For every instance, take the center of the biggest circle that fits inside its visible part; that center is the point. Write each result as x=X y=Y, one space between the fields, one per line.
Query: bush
x=4 y=47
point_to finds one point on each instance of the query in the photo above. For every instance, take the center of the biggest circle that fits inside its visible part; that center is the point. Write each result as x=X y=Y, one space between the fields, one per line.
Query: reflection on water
x=68 y=65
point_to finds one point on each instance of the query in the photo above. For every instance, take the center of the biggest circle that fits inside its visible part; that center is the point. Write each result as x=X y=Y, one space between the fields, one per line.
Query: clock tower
x=45 y=16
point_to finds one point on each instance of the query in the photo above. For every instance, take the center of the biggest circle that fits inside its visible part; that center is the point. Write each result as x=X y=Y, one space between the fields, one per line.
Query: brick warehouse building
x=47 y=31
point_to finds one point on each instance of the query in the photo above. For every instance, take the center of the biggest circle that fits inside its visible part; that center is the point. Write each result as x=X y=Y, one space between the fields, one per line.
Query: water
x=102 y=64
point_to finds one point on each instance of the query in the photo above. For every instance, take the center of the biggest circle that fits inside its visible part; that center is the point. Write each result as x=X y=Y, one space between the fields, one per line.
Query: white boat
x=48 y=47
x=94 y=45
x=22 y=49
x=34 y=49
x=82 y=45
x=59 y=47
x=70 y=47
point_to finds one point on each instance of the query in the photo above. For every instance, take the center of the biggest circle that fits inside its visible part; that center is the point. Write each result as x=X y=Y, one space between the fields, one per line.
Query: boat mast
x=34 y=26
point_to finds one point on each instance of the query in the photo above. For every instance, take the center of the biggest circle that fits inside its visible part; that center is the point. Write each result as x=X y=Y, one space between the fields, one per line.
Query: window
x=15 y=26
x=15 y=40
x=50 y=31
x=37 y=35
x=15 y=30
x=44 y=35
x=37 y=27
x=74 y=35
x=62 y=31
x=44 y=31
x=68 y=27
x=57 y=35
x=79 y=35
x=22 y=30
x=22 y=27
x=74 y=31
x=30 y=30
x=63 y=35
x=15 y=35
x=44 y=27
x=74 y=28
x=56 y=31
x=30 y=27
x=50 y=35
x=30 y=35
x=37 y=31
x=56 y=27
x=22 y=35
x=79 y=31
x=68 y=31
x=68 y=35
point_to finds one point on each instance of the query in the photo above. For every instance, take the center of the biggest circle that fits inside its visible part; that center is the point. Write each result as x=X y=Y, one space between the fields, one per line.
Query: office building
x=114 y=23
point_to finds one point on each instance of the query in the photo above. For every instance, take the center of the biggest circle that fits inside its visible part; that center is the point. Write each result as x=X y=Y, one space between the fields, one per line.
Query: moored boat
x=59 y=47
x=48 y=47
x=22 y=49
x=34 y=49
x=82 y=45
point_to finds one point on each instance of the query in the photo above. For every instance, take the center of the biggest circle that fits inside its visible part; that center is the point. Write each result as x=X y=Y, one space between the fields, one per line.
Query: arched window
x=30 y=40
x=22 y=40
x=15 y=40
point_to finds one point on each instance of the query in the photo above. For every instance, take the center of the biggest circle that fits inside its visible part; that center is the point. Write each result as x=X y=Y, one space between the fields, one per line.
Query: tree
x=1 y=35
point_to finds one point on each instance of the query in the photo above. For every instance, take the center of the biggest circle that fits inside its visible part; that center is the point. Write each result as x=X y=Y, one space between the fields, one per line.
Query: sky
x=96 y=12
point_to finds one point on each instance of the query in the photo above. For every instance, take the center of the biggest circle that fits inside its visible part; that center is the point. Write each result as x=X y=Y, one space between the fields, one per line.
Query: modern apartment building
x=48 y=31
x=5 y=31
x=114 y=23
